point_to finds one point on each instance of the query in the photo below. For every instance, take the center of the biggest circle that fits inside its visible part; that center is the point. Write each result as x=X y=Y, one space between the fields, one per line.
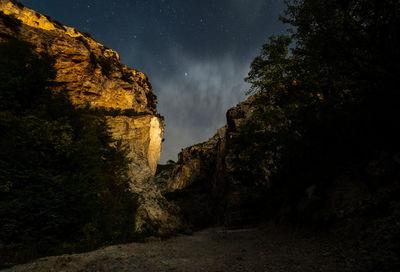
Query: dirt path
x=211 y=250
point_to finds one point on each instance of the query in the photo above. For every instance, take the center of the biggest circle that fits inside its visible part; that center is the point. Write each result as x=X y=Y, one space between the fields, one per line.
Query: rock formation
x=234 y=174
x=93 y=76
x=193 y=163
x=217 y=169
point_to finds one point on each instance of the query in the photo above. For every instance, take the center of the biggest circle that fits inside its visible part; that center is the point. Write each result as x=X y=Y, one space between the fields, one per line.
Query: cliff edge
x=93 y=76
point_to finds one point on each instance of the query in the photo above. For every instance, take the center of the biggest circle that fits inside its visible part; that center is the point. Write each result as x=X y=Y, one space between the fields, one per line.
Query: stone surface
x=216 y=174
x=272 y=248
x=192 y=163
x=235 y=169
x=91 y=72
x=143 y=136
x=221 y=154
x=163 y=174
x=93 y=76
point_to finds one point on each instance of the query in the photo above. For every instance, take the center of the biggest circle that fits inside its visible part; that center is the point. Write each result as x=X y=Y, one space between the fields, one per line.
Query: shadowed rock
x=93 y=76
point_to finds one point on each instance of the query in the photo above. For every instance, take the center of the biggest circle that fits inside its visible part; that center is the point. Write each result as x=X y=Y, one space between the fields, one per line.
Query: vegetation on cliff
x=63 y=179
x=317 y=144
x=324 y=133
x=331 y=102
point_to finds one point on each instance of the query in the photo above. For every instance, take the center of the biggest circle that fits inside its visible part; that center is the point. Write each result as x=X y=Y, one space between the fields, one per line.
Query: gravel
x=267 y=248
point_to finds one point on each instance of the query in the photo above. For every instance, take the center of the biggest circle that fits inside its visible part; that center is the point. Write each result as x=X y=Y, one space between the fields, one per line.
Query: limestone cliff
x=193 y=162
x=217 y=175
x=238 y=176
x=219 y=153
x=93 y=75
x=91 y=72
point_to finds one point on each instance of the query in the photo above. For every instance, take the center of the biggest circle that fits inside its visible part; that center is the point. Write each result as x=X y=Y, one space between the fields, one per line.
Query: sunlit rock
x=93 y=76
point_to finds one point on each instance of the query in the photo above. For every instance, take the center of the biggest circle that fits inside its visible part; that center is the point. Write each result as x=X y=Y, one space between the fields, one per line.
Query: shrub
x=63 y=180
x=11 y=22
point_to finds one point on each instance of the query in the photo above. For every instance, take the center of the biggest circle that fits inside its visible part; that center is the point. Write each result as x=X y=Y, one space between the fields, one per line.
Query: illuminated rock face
x=143 y=135
x=93 y=75
x=90 y=72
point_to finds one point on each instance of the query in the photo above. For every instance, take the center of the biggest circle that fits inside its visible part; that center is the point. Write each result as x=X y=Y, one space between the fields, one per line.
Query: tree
x=63 y=180
x=343 y=65
x=272 y=69
x=331 y=102
x=24 y=79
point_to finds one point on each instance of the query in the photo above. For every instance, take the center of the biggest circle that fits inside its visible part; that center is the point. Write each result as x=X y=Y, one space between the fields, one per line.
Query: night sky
x=196 y=53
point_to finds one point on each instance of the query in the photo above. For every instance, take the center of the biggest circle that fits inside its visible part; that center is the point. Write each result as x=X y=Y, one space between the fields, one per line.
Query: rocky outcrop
x=91 y=72
x=142 y=135
x=221 y=154
x=190 y=184
x=193 y=162
x=93 y=76
x=220 y=170
x=238 y=172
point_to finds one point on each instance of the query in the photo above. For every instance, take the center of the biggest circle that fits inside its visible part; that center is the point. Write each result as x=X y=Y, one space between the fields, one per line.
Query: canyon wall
x=219 y=175
x=234 y=178
x=93 y=76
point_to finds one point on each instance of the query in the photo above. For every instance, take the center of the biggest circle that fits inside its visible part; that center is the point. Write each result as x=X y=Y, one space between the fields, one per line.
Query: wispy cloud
x=195 y=98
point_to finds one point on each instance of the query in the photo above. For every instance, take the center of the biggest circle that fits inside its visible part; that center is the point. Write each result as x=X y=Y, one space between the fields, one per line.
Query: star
x=166 y=38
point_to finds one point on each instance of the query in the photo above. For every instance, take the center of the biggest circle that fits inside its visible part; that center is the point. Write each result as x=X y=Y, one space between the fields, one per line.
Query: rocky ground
x=267 y=248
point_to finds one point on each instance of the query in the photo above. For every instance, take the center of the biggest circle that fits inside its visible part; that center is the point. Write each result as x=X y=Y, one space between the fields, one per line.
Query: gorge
x=93 y=76
x=307 y=165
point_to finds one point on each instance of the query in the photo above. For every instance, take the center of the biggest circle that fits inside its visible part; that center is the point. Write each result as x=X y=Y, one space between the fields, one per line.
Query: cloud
x=194 y=98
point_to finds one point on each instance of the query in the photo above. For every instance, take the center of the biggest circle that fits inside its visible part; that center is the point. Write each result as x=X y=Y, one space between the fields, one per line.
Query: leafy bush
x=332 y=101
x=63 y=180
x=10 y=21
x=103 y=111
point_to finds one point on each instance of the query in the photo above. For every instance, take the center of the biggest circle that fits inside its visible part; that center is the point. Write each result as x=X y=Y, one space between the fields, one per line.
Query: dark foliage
x=106 y=65
x=328 y=129
x=331 y=104
x=86 y=34
x=63 y=181
x=102 y=111
x=196 y=203
x=86 y=44
x=10 y=21
x=18 y=4
x=58 y=24
x=126 y=76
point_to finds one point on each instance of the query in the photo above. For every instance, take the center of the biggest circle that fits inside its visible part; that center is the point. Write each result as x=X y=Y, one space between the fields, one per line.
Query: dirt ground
x=264 y=248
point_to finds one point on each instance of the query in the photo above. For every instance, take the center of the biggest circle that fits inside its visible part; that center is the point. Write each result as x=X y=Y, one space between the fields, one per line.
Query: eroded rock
x=217 y=175
x=93 y=76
